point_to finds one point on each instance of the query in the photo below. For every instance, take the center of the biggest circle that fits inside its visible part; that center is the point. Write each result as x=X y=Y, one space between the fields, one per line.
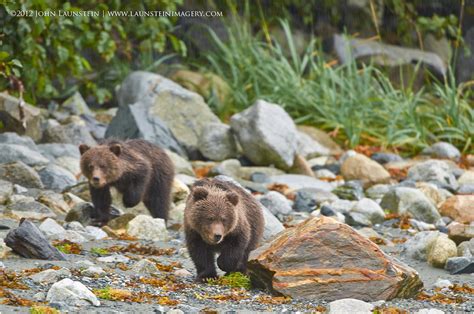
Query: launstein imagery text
x=98 y=13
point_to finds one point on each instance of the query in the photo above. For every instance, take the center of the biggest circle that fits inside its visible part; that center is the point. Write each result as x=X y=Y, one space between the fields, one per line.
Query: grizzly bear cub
x=221 y=217
x=139 y=170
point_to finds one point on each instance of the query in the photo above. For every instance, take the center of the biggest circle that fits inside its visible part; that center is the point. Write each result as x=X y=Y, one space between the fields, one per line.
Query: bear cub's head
x=213 y=213
x=101 y=164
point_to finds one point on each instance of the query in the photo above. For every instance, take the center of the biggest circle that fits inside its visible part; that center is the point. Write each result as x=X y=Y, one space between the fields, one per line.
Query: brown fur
x=219 y=208
x=139 y=170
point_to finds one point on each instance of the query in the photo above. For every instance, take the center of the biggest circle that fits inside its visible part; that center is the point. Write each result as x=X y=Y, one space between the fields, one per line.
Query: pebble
x=116 y=258
x=71 y=293
x=349 y=306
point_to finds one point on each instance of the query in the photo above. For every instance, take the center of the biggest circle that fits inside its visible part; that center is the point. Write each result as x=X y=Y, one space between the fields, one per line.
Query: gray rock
x=443 y=150
x=148 y=228
x=28 y=241
x=70 y=164
x=385 y=158
x=442 y=283
x=356 y=219
x=230 y=167
x=350 y=306
x=434 y=171
x=307 y=199
x=56 y=178
x=96 y=128
x=6 y=190
x=136 y=121
x=418 y=246
x=183 y=111
x=96 y=233
x=144 y=267
x=276 y=203
x=11 y=119
x=15 y=138
x=50 y=227
x=116 y=258
x=75 y=226
x=181 y=165
x=297 y=181
x=429 y=311
x=466 y=248
x=441 y=250
x=56 y=150
x=93 y=271
x=14 y=152
x=309 y=148
x=83 y=213
x=27 y=207
x=404 y=200
x=267 y=134
x=342 y=206
x=377 y=191
x=69 y=235
x=78 y=133
x=72 y=293
x=19 y=173
x=384 y=54
x=466 y=189
x=49 y=276
x=324 y=173
x=460 y=265
x=369 y=209
x=217 y=142
x=76 y=105
x=351 y=190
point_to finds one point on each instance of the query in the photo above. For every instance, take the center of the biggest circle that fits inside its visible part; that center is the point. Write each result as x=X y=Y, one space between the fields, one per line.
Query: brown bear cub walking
x=221 y=217
x=139 y=170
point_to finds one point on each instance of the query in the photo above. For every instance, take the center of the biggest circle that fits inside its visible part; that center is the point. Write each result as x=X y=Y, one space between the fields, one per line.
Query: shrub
x=360 y=103
x=93 y=53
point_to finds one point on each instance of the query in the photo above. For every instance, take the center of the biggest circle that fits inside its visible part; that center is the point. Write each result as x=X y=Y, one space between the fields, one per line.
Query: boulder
x=434 y=171
x=28 y=241
x=140 y=123
x=369 y=209
x=71 y=293
x=360 y=167
x=20 y=173
x=15 y=138
x=298 y=181
x=181 y=165
x=411 y=201
x=53 y=151
x=460 y=208
x=27 y=207
x=50 y=227
x=324 y=259
x=350 y=306
x=148 y=228
x=443 y=150
x=322 y=138
x=306 y=200
x=267 y=134
x=276 y=203
x=56 y=178
x=384 y=54
x=183 y=111
x=459 y=232
x=460 y=265
x=217 y=142
x=309 y=148
x=10 y=116
x=14 y=152
x=418 y=246
x=76 y=105
x=50 y=276
x=6 y=190
x=441 y=250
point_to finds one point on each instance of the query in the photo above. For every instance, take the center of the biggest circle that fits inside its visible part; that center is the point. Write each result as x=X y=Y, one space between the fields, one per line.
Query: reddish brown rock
x=360 y=167
x=324 y=259
x=460 y=232
x=460 y=208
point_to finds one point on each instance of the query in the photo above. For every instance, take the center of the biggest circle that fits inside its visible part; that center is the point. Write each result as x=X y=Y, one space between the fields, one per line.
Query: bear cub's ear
x=232 y=197
x=83 y=148
x=200 y=193
x=116 y=149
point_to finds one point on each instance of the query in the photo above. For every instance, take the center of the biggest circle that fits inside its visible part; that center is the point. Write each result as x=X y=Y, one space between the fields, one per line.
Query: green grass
x=233 y=280
x=360 y=102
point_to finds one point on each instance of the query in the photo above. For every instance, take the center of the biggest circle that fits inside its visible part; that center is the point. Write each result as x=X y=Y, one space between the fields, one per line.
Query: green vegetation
x=360 y=102
x=233 y=280
x=54 y=55
x=99 y=251
x=42 y=309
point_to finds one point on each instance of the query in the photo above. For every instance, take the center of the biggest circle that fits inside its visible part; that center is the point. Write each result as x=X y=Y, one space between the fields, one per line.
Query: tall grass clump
x=359 y=102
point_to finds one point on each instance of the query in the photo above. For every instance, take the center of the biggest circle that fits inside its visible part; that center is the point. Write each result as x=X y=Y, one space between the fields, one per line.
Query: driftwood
x=28 y=241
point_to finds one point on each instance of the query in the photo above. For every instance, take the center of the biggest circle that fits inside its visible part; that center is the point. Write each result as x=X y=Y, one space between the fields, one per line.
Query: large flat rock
x=322 y=258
